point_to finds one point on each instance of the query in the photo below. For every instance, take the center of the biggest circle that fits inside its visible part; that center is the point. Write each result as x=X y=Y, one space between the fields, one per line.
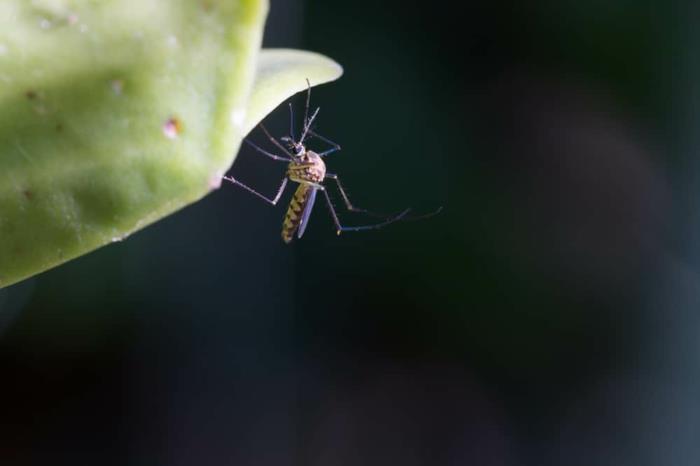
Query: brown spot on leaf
x=172 y=127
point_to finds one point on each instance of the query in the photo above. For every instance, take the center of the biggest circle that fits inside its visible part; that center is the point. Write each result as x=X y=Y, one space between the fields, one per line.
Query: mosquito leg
x=425 y=216
x=336 y=147
x=261 y=196
x=273 y=140
x=346 y=199
x=328 y=152
x=291 y=122
x=339 y=228
x=264 y=152
x=352 y=208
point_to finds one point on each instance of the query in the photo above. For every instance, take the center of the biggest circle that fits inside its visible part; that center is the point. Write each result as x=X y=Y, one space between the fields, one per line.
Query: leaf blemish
x=172 y=127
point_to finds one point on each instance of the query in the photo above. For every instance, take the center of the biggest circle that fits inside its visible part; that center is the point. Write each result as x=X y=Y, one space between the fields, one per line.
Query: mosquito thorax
x=307 y=168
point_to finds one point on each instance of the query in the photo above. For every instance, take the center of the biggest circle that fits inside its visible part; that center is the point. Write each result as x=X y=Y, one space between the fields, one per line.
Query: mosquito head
x=297 y=149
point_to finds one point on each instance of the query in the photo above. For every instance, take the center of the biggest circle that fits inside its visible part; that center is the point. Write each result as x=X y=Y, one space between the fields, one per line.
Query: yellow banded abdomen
x=293 y=216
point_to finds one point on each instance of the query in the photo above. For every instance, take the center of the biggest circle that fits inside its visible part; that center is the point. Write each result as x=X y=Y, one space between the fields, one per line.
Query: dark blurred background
x=548 y=316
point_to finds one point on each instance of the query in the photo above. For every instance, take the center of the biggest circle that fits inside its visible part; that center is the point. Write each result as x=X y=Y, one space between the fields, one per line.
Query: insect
x=308 y=169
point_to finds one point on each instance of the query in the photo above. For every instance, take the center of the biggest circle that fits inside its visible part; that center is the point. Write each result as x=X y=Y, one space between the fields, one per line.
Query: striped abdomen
x=294 y=214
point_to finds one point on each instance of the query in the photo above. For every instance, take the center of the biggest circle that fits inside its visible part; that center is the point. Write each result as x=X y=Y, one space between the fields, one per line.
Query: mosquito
x=308 y=169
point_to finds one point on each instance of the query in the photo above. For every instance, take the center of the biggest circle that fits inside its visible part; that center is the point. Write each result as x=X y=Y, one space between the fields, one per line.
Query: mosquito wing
x=307 y=212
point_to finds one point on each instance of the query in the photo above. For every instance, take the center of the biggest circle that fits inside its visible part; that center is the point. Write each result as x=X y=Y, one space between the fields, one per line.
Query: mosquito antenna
x=308 y=100
x=274 y=141
x=307 y=126
x=291 y=122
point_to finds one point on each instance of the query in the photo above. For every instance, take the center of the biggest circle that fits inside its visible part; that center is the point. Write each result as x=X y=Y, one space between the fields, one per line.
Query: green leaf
x=280 y=74
x=115 y=114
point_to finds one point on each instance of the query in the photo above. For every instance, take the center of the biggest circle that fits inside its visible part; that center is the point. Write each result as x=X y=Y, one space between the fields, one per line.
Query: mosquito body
x=308 y=169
